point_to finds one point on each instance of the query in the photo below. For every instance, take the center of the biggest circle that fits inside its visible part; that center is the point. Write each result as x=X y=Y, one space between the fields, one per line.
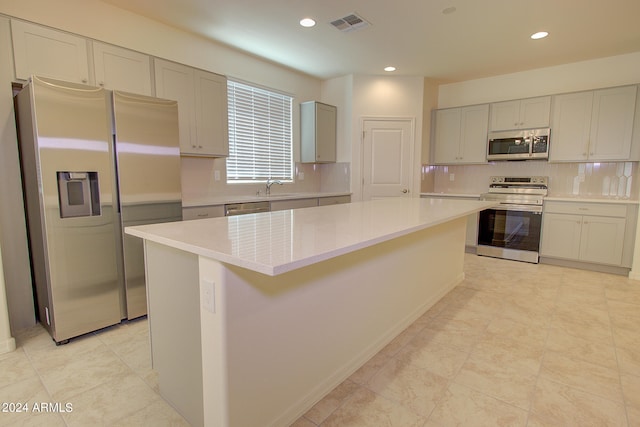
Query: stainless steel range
x=512 y=229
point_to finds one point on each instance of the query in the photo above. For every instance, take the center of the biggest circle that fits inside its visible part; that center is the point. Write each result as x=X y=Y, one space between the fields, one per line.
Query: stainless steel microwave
x=526 y=144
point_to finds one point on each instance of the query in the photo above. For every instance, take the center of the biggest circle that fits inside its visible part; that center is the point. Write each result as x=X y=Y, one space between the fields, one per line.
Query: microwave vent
x=349 y=23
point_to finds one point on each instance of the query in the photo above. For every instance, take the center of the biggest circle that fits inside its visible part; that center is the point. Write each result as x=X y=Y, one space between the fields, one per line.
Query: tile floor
x=515 y=344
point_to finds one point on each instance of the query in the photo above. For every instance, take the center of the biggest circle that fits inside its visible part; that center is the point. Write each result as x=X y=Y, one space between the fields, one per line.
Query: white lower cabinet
x=593 y=233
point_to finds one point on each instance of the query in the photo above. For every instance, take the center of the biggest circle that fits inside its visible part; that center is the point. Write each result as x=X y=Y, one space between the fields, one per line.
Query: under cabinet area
x=461 y=135
x=521 y=114
x=202 y=97
x=318 y=132
x=594 y=125
x=587 y=232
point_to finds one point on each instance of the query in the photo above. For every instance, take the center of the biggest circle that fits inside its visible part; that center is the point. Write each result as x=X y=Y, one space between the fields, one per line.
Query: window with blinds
x=260 y=135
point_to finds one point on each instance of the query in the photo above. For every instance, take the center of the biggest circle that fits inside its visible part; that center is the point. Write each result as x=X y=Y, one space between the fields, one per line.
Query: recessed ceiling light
x=389 y=69
x=539 y=35
x=307 y=22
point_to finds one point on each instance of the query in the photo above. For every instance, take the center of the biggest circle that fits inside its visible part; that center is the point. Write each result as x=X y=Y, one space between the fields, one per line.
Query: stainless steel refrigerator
x=93 y=162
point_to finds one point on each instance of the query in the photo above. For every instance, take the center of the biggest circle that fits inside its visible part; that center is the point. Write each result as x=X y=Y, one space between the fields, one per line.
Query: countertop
x=276 y=242
x=547 y=198
x=223 y=200
x=591 y=200
x=457 y=195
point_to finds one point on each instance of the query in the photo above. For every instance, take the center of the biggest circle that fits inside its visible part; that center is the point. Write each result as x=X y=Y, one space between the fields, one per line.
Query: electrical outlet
x=452 y=177
x=216 y=175
x=208 y=296
x=301 y=176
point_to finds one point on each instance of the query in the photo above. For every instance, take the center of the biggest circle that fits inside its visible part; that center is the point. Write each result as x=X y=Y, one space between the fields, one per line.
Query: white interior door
x=387 y=158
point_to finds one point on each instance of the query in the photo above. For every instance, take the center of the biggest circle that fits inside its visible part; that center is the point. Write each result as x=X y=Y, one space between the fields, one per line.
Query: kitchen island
x=255 y=318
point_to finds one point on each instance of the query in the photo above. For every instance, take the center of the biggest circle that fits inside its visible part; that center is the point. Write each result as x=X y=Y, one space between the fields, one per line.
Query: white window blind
x=260 y=136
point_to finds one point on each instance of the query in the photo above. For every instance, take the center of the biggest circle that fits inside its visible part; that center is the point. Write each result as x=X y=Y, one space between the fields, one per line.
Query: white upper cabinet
x=175 y=81
x=318 y=132
x=594 y=125
x=212 y=123
x=122 y=69
x=461 y=135
x=521 y=114
x=202 y=107
x=46 y=52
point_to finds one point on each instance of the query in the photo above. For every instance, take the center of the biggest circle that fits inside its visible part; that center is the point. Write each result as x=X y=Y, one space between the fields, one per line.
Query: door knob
x=405 y=191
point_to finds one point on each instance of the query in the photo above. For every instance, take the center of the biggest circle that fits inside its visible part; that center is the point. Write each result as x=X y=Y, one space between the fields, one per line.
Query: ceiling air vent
x=350 y=23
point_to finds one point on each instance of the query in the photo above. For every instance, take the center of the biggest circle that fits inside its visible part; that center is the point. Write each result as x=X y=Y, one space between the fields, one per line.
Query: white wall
x=339 y=92
x=13 y=236
x=603 y=72
x=7 y=342
x=388 y=97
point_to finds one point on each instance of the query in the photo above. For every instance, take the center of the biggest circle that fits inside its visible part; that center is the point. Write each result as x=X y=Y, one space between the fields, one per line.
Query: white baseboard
x=7 y=345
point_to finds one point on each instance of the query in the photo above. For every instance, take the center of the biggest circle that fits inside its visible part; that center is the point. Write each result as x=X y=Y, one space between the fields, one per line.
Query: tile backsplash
x=611 y=180
x=206 y=177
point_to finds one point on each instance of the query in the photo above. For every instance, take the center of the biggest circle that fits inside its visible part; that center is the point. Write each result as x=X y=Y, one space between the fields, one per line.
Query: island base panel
x=275 y=345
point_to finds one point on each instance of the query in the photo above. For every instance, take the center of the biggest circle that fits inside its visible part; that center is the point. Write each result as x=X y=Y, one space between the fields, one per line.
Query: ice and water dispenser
x=79 y=194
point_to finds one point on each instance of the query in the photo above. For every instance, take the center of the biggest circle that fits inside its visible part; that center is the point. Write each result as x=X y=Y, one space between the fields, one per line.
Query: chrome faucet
x=270 y=183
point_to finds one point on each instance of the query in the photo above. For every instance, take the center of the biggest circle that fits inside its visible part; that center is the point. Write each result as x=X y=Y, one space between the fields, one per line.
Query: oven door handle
x=515 y=207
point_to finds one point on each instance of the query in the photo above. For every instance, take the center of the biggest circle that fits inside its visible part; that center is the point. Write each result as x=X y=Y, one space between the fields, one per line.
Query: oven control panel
x=516 y=181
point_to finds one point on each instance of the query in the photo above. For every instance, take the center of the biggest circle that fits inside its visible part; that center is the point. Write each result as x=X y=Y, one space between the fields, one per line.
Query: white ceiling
x=481 y=38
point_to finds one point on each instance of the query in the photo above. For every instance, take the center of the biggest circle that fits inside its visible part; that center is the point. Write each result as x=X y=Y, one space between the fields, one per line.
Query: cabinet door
x=505 y=115
x=571 y=127
x=49 y=53
x=175 y=81
x=602 y=240
x=326 y=132
x=561 y=236
x=612 y=123
x=535 y=112
x=122 y=69
x=521 y=114
x=211 y=114
x=474 y=123
x=447 y=136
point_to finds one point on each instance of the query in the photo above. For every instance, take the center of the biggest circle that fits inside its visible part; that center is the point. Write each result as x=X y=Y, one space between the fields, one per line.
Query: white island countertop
x=273 y=243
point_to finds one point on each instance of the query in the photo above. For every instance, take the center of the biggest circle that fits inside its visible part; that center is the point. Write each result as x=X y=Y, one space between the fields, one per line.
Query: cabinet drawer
x=202 y=212
x=601 y=209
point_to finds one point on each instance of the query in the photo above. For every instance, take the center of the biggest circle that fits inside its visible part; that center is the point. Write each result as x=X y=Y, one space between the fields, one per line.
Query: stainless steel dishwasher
x=246 y=208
